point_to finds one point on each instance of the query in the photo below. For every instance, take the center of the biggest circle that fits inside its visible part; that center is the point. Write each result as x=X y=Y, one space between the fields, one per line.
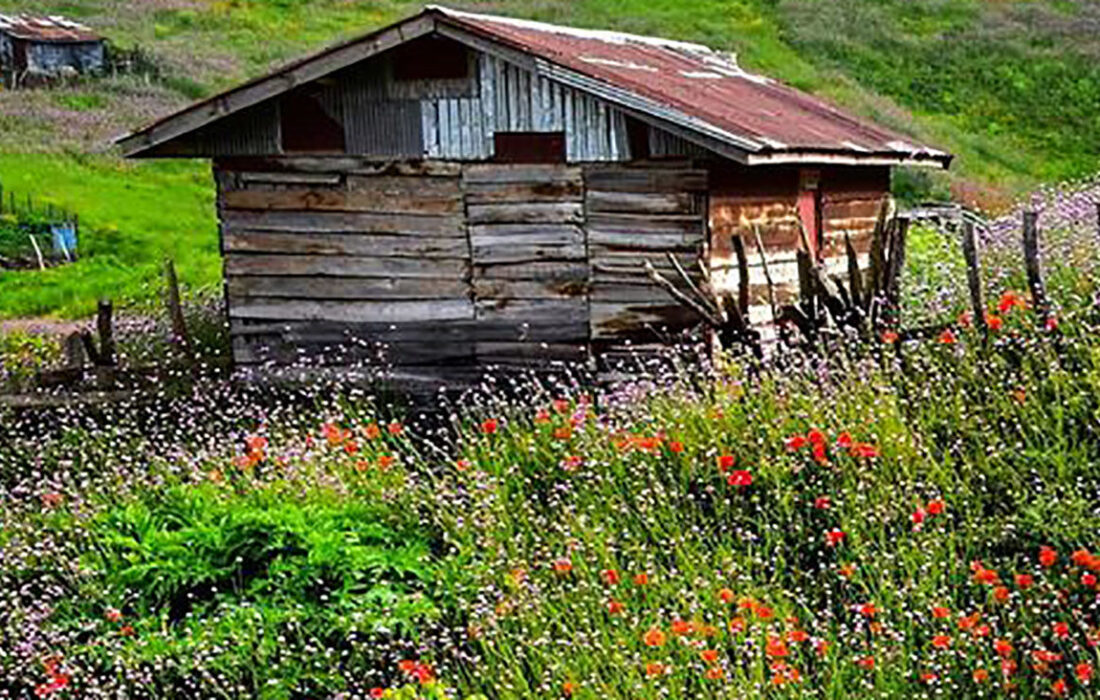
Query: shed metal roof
x=701 y=92
x=51 y=29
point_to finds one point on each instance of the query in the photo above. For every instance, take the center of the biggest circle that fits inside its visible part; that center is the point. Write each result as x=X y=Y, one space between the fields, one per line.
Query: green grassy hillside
x=1010 y=86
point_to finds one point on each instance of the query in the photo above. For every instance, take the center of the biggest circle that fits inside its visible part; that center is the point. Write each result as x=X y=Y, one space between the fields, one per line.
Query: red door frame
x=809 y=209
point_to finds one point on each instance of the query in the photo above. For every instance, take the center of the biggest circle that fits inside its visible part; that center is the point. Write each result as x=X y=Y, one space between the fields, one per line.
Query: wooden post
x=1031 y=260
x=895 y=266
x=37 y=252
x=742 y=276
x=973 y=274
x=106 y=334
x=767 y=274
x=175 y=308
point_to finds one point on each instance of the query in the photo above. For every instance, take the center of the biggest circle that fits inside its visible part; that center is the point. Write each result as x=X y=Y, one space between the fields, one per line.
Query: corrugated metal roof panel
x=701 y=83
x=46 y=29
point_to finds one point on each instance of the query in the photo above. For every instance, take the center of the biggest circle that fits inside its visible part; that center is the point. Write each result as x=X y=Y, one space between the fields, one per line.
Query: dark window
x=529 y=147
x=431 y=58
x=637 y=135
x=306 y=127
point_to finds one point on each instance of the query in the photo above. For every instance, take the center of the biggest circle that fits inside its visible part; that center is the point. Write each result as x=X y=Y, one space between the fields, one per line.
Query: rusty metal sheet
x=46 y=29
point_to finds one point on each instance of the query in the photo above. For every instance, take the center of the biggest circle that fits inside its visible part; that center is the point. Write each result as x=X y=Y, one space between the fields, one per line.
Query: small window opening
x=529 y=147
x=307 y=127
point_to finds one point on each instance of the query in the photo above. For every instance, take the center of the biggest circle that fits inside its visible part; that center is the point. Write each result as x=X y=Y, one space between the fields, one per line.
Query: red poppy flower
x=641 y=579
x=1083 y=671
x=763 y=612
x=798 y=636
x=542 y=416
x=654 y=668
x=947 y=337
x=715 y=673
x=572 y=463
x=395 y=428
x=867 y=609
x=726 y=462
x=113 y=615
x=834 y=537
x=866 y=662
x=964 y=319
x=1088 y=580
x=819 y=453
x=935 y=507
x=614 y=607
x=844 y=440
x=1024 y=581
x=1010 y=300
x=980 y=675
x=1047 y=556
x=1001 y=594
x=1051 y=323
x=489 y=426
x=709 y=655
x=1058 y=687
x=676 y=447
x=864 y=449
x=371 y=431
x=918 y=517
x=994 y=323
x=1003 y=648
x=939 y=612
x=1060 y=629
x=560 y=405
x=796 y=442
x=822 y=502
x=816 y=437
x=726 y=595
x=377 y=692
x=776 y=648
x=941 y=641
x=1081 y=557
x=563 y=566
x=610 y=577
x=739 y=477
x=406 y=665
x=889 y=337
x=928 y=677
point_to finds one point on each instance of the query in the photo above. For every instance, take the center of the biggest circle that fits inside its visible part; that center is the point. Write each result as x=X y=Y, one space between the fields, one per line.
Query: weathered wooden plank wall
x=529 y=263
x=636 y=214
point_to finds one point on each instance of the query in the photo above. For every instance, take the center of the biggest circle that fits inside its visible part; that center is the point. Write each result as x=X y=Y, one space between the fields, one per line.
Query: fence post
x=175 y=308
x=1031 y=260
x=973 y=273
x=106 y=333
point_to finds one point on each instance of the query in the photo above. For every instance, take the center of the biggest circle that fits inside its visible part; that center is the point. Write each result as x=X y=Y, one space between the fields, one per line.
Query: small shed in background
x=34 y=49
x=471 y=190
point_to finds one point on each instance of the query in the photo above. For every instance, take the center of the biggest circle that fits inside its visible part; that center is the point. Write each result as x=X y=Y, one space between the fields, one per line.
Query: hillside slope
x=1010 y=86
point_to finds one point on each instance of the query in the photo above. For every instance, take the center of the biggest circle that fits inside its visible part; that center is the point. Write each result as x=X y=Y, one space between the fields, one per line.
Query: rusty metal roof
x=696 y=91
x=51 y=29
x=760 y=113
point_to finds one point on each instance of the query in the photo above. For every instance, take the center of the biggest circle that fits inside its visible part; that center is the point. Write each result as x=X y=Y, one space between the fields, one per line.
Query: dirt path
x=42 y=326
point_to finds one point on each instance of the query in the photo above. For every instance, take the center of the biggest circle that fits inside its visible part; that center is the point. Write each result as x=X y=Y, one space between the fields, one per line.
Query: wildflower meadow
x=893 y=519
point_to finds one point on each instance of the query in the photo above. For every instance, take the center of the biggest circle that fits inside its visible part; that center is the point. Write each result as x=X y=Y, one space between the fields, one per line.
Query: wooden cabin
x=34 y=49
x=471 y=190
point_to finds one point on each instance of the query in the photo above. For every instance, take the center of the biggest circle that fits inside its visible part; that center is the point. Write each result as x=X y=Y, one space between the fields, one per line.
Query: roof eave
x=924 y=159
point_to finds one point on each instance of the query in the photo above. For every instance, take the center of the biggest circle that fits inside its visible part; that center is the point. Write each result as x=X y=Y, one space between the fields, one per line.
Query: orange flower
x=1003 y=648
x=641 y=579
x=993 y=322
x=798 y=636
x=867 y=609
x=372 y=431
x=563 y=433
x=1001 y=594
x=715 y=673
x=560 y=405
x=1082 y=558
x=709 y=655
x=708 y=631
x=941 y=641
x=737 y=625
x=866 y=662
x=395 y=428
x=567 y=689
x=935 y=507
x=847 y=571
x=980 y=675
x=890 y=337
x=654 y=668
x=928 y=677
x=1060 y=629
x=610 y=577
x=1058 y=687
x=562 y=566
x=834 y=537
x=682 y=628
x=542 y=416
x=726 y=462
x=1024 y=581
x=654 y=637
x=947 y=337
x=386 y=461
x=406 y=665
x=126 y=631
x=939 y=612
x=489 y=426
x=572 y=463
x=463 y=464
x=1083 y=671
x=726 y=595
x=676 y=447
x=763 y=612
x=614 y=607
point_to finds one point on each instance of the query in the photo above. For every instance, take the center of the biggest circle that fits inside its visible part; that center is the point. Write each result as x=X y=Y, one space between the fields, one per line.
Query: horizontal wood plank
x=344 y=266
x=346 y=244
x=496 y=173
x=640 y=202
x=523 y=192
x=532 y=213
x=342 y=222
x=353 y=311
x=387 y=288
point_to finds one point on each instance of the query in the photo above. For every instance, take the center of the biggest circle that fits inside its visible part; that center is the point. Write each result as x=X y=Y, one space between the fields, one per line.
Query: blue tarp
x=64 y=238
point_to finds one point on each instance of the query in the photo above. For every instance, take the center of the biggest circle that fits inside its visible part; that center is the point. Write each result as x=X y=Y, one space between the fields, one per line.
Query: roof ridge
x=597 y=34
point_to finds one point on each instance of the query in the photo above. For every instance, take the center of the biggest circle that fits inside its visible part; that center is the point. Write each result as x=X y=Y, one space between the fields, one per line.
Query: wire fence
x=35 y=233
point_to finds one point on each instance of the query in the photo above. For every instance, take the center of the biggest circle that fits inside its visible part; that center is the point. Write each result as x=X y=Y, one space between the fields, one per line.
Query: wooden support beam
x=175 y=308
x=105 y=329
x=974 y=274
x=1032 y=263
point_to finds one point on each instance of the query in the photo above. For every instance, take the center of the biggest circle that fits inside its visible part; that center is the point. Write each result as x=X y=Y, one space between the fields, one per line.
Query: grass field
x=891 y=521
x=1010 y=87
